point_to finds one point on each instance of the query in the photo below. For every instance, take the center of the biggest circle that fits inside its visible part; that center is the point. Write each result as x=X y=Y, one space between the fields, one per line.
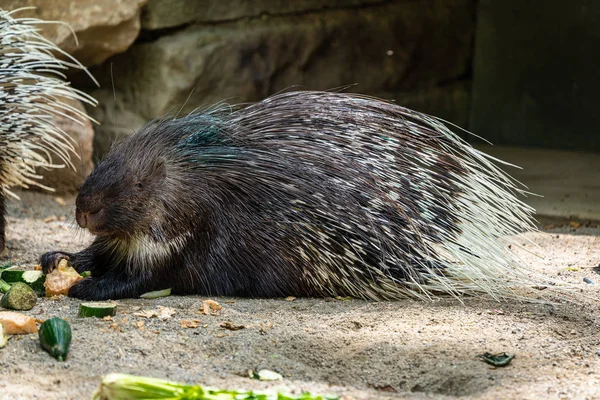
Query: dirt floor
x=360 y=349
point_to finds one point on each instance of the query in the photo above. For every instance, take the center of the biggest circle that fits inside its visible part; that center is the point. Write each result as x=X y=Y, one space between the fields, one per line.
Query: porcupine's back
x=32 y=94
x=347 y=195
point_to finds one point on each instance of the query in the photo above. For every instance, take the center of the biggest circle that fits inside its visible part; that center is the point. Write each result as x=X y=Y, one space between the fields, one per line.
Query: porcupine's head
x=125 y=195
x=142 y=187
x=119 y=197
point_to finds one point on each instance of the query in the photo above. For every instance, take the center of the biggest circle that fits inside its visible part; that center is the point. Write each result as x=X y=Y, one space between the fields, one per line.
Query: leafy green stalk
x=131 y=387
x=4 y=286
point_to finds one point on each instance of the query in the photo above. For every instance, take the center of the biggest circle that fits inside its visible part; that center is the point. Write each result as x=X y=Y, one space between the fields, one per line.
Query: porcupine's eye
x=139 y=186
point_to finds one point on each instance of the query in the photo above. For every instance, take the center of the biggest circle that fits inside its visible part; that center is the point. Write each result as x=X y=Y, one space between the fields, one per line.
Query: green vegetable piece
x=4 y=286
x=86 y=274
x=265 y=375
x=130 y=387
x=497 y=360
x=55 y=337
x=13 y=274
x=19 y=297
x=31 y=276
x=35 y=279
x=97 y=309
x=156 y=294
x=3 y=337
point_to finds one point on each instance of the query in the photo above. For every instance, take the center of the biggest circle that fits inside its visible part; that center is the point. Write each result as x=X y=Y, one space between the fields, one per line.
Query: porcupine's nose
x=81 y=218
x=86 y=219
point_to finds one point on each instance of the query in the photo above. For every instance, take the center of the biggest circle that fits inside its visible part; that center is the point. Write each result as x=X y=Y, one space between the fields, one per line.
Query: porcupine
x=304 y=194
x=32 y=94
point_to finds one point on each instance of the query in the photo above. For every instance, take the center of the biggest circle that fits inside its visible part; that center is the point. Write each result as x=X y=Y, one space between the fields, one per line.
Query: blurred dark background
x=536 y=80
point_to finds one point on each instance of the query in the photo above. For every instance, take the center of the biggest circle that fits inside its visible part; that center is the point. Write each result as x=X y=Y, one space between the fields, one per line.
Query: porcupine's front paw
x=50 y=260
x=89 y=289
x=105 y=288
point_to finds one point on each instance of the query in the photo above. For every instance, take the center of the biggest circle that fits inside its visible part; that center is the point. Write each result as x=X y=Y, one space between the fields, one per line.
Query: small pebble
x=588 y=280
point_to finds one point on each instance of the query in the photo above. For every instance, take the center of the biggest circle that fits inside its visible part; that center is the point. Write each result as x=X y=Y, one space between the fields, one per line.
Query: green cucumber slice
x=31 y=276
x=55 y=337
x=97 y=309
x=14 y=274
x=35 y=279
x=156 y=294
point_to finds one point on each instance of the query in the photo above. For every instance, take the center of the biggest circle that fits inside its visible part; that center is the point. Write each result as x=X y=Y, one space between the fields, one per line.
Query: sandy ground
x=364 y=350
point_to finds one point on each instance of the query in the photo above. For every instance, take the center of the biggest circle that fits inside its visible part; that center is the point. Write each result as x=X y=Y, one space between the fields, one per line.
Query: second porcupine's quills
x=31 y=92
x=303 y=193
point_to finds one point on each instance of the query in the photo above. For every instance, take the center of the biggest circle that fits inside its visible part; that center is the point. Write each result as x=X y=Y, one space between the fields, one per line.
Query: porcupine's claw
x=50 y=260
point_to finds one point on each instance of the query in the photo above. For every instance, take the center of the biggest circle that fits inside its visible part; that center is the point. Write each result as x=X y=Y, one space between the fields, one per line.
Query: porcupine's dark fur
x=305 y=194
x=32 y=94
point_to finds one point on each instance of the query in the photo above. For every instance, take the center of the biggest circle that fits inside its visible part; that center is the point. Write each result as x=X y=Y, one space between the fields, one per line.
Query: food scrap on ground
x=160 y=313
x=34 y=278
x=131 y=387
x=4 y=286
x=156 y=294
x=265 y=375
x=61 y=279
x=19 y=297
x=55 y=337
x=497 y=360
x=210 y=307
x=16 y=323
x=97 y=309
x=3 y=337
x=186 y=323
x=231 y=326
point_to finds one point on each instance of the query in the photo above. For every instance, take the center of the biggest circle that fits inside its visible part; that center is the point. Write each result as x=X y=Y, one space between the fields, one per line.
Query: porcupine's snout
x=89 y=214
x=87 y=219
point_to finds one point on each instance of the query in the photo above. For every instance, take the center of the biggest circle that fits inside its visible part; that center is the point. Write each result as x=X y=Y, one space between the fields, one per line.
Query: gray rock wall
x=196 y=53
x=102 y=27
x=166 y=14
